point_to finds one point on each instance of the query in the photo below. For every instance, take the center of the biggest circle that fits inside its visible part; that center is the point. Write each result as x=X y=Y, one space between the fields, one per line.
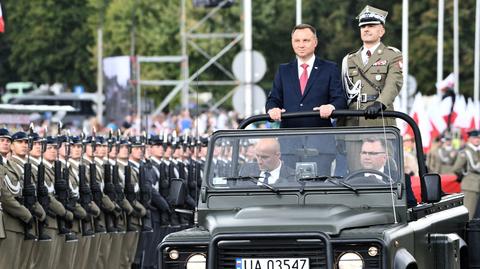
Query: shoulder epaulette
x=394 y=49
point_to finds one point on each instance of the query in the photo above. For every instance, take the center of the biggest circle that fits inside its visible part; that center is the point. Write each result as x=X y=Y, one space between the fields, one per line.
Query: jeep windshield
x=277 y=159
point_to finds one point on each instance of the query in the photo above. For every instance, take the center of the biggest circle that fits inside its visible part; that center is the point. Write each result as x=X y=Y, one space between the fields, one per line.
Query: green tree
x=47 y=41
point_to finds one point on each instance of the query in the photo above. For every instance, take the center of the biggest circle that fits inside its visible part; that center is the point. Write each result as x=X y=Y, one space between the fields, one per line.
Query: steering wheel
x=385 y=179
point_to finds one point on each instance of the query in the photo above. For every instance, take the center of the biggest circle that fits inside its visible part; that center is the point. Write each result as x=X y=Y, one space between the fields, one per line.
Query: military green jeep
x=317 y=198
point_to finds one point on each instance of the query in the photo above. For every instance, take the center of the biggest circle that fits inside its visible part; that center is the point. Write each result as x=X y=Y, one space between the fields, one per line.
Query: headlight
x=197 y=261
x=173 y=254
x=350 y=260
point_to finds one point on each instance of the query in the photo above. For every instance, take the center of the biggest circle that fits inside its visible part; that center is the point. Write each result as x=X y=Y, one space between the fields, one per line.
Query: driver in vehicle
x=269 y=166
x=374 y=156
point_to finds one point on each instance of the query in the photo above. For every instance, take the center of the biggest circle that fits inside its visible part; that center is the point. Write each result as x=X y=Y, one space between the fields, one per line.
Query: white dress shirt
x=309 y=68
x=365 y=58
x=274 y=175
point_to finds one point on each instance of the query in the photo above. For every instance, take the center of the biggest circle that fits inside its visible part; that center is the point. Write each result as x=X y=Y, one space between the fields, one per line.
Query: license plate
x=273 y=263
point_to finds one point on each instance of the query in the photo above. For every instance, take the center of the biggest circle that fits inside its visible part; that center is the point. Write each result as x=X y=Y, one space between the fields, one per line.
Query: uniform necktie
x=369 y=53
x=303 y=78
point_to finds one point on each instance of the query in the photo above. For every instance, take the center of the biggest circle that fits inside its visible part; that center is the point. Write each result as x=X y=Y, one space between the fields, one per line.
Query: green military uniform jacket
x=384 y=71
x=2 y=186
x=56 y=208
x=442 y=160
x=468 y=163
x=139 y=210
x=74 y=184
x=15 y=214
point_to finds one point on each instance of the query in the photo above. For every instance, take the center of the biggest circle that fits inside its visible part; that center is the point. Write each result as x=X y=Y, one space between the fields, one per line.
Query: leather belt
x=365 y=98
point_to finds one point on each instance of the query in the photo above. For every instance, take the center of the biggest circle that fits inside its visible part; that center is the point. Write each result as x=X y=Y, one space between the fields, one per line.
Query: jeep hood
x=330 y=219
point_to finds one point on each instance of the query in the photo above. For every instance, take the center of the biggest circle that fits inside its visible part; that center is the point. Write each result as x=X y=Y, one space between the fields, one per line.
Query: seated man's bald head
x=267 y=152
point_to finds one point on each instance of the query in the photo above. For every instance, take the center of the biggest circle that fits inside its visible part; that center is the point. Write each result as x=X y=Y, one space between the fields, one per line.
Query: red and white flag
x=420 y=116
x=438 y=113
x=476 y=114
x=2 y=24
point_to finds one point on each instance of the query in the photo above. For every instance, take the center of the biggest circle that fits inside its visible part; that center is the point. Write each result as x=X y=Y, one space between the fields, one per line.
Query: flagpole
x=441 y=7
x=476 y=84
x=298 y=12
x=405 y=55
x=456 y=40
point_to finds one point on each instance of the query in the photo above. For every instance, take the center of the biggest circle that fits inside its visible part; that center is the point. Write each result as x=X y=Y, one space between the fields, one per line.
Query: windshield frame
x=237 y=135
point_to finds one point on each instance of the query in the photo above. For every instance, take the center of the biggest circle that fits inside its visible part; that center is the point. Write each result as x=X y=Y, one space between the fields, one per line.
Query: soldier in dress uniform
x=67 y=243
x=118 y=177
x=42 y=257
x=11 y=232
x=372 y=76
x=132 y=213
x=467 y=168
x=134 y=161
x=109 y=208
x=171 y=173
x=159 y=206
x=443 y=158
x=84 y=212
x=15 y=215
x=185 y=167
x=5 y=141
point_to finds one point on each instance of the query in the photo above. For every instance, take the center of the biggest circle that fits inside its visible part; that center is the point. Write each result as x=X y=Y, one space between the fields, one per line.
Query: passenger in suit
x=305 y=84
x=269 y=165
x=374 y=156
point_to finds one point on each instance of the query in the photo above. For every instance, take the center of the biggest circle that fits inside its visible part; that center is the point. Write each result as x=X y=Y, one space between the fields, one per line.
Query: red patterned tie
x=303 y=78
x=369 y=54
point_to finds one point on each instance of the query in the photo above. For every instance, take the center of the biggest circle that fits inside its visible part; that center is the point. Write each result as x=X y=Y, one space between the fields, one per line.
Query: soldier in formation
x=94 y=202
x=467 y=169
x=441 y=159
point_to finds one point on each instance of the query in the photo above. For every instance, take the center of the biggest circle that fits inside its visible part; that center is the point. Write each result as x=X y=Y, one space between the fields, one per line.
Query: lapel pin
x=316 y=67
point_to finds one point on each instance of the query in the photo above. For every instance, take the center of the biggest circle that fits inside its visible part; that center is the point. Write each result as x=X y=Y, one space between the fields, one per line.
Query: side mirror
x=177 y=192
x=432 y=188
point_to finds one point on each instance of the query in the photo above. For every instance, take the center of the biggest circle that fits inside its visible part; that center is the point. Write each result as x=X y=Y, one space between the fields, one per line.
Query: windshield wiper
x=254 y=179
x=332 y=179
x=319 y=178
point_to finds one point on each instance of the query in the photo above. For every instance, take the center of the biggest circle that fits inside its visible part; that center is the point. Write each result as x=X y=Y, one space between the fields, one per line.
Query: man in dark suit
x=305 y=84
x=269 y=165
x=374 y=156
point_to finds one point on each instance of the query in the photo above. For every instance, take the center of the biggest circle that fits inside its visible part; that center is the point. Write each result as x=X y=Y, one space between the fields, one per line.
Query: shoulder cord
x=445 y=159
x=471 y=162
x=352 y=90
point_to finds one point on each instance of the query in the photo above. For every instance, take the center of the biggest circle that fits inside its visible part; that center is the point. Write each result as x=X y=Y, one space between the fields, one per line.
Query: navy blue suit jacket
x=323 y=87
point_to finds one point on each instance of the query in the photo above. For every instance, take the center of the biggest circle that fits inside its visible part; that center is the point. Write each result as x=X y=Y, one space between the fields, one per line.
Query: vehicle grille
x=229 y=250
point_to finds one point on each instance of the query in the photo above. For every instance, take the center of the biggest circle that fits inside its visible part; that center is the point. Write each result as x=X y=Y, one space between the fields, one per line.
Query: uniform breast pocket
x=352 y=72
x=379 y=72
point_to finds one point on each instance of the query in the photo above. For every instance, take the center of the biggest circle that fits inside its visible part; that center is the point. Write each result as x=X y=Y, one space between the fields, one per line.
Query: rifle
x=94 y=186
x=61 y=190
x=85 y=193
x=28 y=198
x=145 y=187
x=111 y=220
x=129 y=190
x=120 y=196
x=42 y=191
